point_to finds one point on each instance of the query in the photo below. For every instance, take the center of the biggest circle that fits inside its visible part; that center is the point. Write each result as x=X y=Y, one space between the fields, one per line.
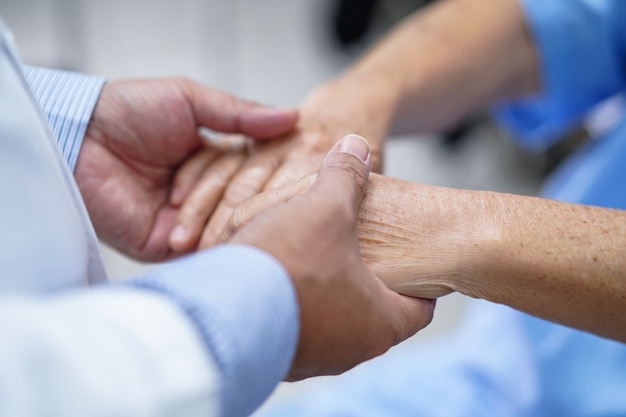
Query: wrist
x=422 y=240
x=480 y=248
x=351 y=104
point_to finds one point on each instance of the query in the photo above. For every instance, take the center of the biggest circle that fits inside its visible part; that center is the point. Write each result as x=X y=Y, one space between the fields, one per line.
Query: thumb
x=226 y=113
x=345 y=171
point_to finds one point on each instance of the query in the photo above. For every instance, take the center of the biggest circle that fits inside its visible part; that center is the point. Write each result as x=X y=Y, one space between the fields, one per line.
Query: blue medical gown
x=502 y=362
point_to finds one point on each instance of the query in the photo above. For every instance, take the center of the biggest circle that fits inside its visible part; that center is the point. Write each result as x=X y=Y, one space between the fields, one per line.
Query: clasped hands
x=217 y=193
x=143 y=169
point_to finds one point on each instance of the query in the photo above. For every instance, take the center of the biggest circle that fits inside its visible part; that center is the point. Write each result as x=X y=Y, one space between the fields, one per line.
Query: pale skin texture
x=431 y=70
x=559 y=261
x=347 y=314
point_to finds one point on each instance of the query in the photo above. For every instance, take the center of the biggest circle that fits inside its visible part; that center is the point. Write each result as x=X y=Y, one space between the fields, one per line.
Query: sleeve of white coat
x=178 y=341
x=67 y=100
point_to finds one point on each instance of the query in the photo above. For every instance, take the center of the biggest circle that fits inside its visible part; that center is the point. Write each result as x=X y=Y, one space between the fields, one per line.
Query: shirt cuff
x=580 y=61
x=244 y=305
x=67 y=100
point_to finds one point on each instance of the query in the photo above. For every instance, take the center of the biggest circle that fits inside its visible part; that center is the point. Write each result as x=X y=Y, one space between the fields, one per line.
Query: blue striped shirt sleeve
x=67 y=100
x=245 y=308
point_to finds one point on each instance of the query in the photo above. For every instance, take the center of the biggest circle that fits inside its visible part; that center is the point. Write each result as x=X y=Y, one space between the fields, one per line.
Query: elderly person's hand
x=561 y=262
x=410 y=235
x=140 y=133
x=330 y=112
x=347 y=314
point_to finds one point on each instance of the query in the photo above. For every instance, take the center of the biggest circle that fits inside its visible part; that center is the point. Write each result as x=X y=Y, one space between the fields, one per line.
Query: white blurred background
x=272 y=51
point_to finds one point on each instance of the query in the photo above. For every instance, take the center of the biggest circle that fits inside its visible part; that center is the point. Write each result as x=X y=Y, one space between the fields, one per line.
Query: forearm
x=558 y=261
x=442 y=63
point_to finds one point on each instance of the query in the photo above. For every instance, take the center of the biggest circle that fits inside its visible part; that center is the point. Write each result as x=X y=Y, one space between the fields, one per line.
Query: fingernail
x=355 y=145
x=179 y=234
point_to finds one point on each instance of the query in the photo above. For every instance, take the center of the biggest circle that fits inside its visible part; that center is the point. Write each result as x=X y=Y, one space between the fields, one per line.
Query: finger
x=201 y=202
x=246 y=211
x=229 y=142
x=345 y=171
x=409 y=314
x=188 y=173
x=404 y=315
x=293 y=169
x=249 y=181
x=223 y=112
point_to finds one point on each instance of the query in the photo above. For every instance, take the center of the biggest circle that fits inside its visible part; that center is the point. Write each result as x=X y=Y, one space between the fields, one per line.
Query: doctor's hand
x=330 y=112
x=420 y=240
x=347 y=315
x=140 y=133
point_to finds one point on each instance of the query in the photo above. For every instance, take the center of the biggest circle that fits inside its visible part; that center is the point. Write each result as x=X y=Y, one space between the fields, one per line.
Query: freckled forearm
x=562 y=262
x=559 y=261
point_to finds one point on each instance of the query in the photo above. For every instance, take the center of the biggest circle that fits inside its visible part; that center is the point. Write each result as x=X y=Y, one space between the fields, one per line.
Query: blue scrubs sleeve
x=581 y=57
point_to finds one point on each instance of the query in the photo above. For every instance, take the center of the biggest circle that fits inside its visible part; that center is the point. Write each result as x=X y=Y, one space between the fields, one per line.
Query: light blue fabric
x=244 y=305
x=503 y=363
x=67 y=100
x=580 y=45
x=595 y=175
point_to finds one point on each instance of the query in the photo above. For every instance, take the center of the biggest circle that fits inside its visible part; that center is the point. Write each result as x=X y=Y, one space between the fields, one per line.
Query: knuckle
x=236 y=220
x=353 y=170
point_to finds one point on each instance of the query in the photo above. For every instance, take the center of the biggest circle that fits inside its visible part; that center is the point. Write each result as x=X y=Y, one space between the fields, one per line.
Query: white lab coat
x=84 y=352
